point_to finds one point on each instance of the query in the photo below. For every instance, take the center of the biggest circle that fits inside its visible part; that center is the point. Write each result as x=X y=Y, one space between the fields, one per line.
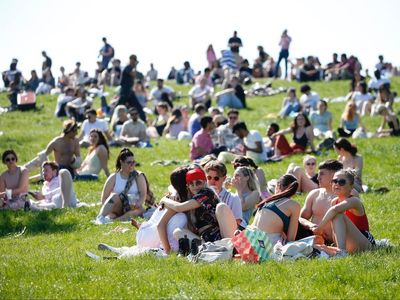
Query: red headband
x=195 y=174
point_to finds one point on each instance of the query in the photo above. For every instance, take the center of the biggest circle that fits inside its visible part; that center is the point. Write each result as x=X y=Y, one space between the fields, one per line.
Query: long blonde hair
x=349 y=111
x=252 y=183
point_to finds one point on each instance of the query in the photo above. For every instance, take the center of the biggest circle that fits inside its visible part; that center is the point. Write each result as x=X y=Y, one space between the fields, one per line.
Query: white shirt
x=250 y=141
x=156 y=93
x=87 y=127
x=201 y=95
x=233 y=201
x=310 y=100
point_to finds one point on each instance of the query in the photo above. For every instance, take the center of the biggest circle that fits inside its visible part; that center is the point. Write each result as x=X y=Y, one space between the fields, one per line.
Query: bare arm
x=294 y=221
x=257 y=149
x=281 y=132
x=162 y=230
x=310 y=137
x=142 y=187
x=250 y=201
x=103 y=157
x=180 y=207
x=108 y=187
x=306 y=211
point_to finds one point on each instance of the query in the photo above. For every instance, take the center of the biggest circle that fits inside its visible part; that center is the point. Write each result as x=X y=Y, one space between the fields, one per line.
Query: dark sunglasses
x=130 y=162
x=310 y=164
x=341 y=182
x=196 y=183
x=233 y=117
x=10 y=159
x=216 y=178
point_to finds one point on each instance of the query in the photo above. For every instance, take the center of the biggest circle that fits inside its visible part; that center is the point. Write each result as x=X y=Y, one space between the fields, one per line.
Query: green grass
x=48 y=261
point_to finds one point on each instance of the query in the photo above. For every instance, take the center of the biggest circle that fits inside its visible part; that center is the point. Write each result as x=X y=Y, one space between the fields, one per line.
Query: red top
x=361 y=222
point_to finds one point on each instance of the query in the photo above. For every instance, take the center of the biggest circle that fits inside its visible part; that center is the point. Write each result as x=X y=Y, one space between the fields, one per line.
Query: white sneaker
x=100 y=220
x=341 y=253
x=93 y=256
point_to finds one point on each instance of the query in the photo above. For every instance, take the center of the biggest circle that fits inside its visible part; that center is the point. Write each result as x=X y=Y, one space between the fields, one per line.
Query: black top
x=239 y=92
x=235 y=40
x=127 y=80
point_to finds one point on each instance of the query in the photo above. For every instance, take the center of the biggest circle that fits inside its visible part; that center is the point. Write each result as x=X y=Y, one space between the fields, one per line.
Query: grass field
x=49 y=261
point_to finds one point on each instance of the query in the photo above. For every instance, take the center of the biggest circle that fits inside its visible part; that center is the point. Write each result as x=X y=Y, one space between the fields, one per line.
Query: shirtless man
x=318 y=201
x=66 y=147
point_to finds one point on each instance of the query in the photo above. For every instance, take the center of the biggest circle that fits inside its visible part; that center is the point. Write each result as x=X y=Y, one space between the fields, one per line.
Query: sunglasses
x=233 y=117
x=196 y=183
x=10 y=159
x=215 y=178
x=130 y=162
x=341 y=182
x=310 y=164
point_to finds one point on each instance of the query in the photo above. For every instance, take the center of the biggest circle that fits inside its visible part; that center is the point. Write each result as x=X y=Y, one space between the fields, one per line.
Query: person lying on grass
x=209 y=219
x=347 y=216
x=124 y=192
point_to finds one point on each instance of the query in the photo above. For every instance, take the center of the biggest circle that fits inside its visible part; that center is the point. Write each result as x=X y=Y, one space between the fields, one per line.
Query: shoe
x=194 y=246
x=184 y=247
x=100 y=220
x=341 y=253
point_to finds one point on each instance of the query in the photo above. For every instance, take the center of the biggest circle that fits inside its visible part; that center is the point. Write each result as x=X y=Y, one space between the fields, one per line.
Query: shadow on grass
x=44 y=222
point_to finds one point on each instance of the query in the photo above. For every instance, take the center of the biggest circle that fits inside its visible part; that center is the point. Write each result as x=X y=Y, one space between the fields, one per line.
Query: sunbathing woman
x=124 y=192
x=97 y=157
x=347 y=216
x=15 y=181
x=350 y=159
x=209 y=219
x=278 y=215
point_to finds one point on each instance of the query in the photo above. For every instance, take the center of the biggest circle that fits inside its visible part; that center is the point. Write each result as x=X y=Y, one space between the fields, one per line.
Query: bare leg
x=347 y=236
x=108 y=206
x=226 y=220
x=180 y=233
x=67 y=189
x=305 y=183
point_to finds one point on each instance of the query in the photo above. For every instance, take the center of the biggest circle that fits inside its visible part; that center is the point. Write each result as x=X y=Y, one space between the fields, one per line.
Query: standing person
x=66 y=148
x=211 y=57
x=234 y=43
x=284 y=53
x=152 y=74
x=46 y=65
x=216 y=176
x=347 y=216
x=13 y=182
x=107 y=53
x=126 y=96
x=124 y=192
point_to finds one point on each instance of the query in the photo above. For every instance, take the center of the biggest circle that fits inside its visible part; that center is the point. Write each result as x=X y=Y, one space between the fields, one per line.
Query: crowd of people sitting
x=201 y=204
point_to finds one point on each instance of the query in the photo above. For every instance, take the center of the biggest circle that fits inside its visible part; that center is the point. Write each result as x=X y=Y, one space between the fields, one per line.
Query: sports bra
x=285 y=219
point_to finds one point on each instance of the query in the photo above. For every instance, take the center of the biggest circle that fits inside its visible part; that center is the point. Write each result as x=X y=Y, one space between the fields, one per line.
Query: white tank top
x=120 y=185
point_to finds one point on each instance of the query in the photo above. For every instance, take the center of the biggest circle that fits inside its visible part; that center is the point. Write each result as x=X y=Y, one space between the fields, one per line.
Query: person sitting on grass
x=389 y=118
x=124 y=192
x=347 y=216
x=303 y=136
x=248 y=189
x=209 y=219
x=97 y=157
x=350 y=159
x=13 y=182
x=350 y=120
x=91 y=123
x=278 y=215
x=57 y=190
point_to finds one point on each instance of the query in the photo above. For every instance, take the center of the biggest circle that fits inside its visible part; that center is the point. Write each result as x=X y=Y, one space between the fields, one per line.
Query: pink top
x=285 y=42
x=211 y=56
x=201 y=139
x=51 y=188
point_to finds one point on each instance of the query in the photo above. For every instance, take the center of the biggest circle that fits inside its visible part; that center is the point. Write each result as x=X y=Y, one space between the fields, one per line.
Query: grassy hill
x=49 y=261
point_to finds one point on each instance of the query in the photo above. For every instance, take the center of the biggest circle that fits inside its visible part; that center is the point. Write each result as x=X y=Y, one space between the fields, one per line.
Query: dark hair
x=6 y=153
x=133 y=110
x=53 y=165
x=288 y=185
x=243 y=161
x=206 y=159
x=217 y=166
x=122 y=156
x=331 y=165
x=178 y=181
x=91 y=111
x=199 y=107
x=238 y=126
x=295 y=126
x=204 y=121
x=232 y=111
x=305 y=88
x=324 y=102
x=363 y=86
x=344 y=144
x=102 y=141
x=275 y=126
x=349 y=174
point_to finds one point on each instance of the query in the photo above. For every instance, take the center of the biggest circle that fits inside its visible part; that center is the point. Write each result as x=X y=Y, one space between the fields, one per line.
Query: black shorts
x=369 y=236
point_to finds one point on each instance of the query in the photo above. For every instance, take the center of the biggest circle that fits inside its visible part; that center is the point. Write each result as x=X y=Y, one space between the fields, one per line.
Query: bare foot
x=135 y=223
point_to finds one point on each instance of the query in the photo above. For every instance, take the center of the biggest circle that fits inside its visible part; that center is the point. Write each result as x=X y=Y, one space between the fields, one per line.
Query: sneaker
x=184 y=246
x=194 y=246
x=93 y=256
x=100 y=220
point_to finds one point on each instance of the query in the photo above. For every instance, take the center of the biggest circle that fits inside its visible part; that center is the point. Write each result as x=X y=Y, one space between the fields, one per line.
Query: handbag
x=253 y=245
